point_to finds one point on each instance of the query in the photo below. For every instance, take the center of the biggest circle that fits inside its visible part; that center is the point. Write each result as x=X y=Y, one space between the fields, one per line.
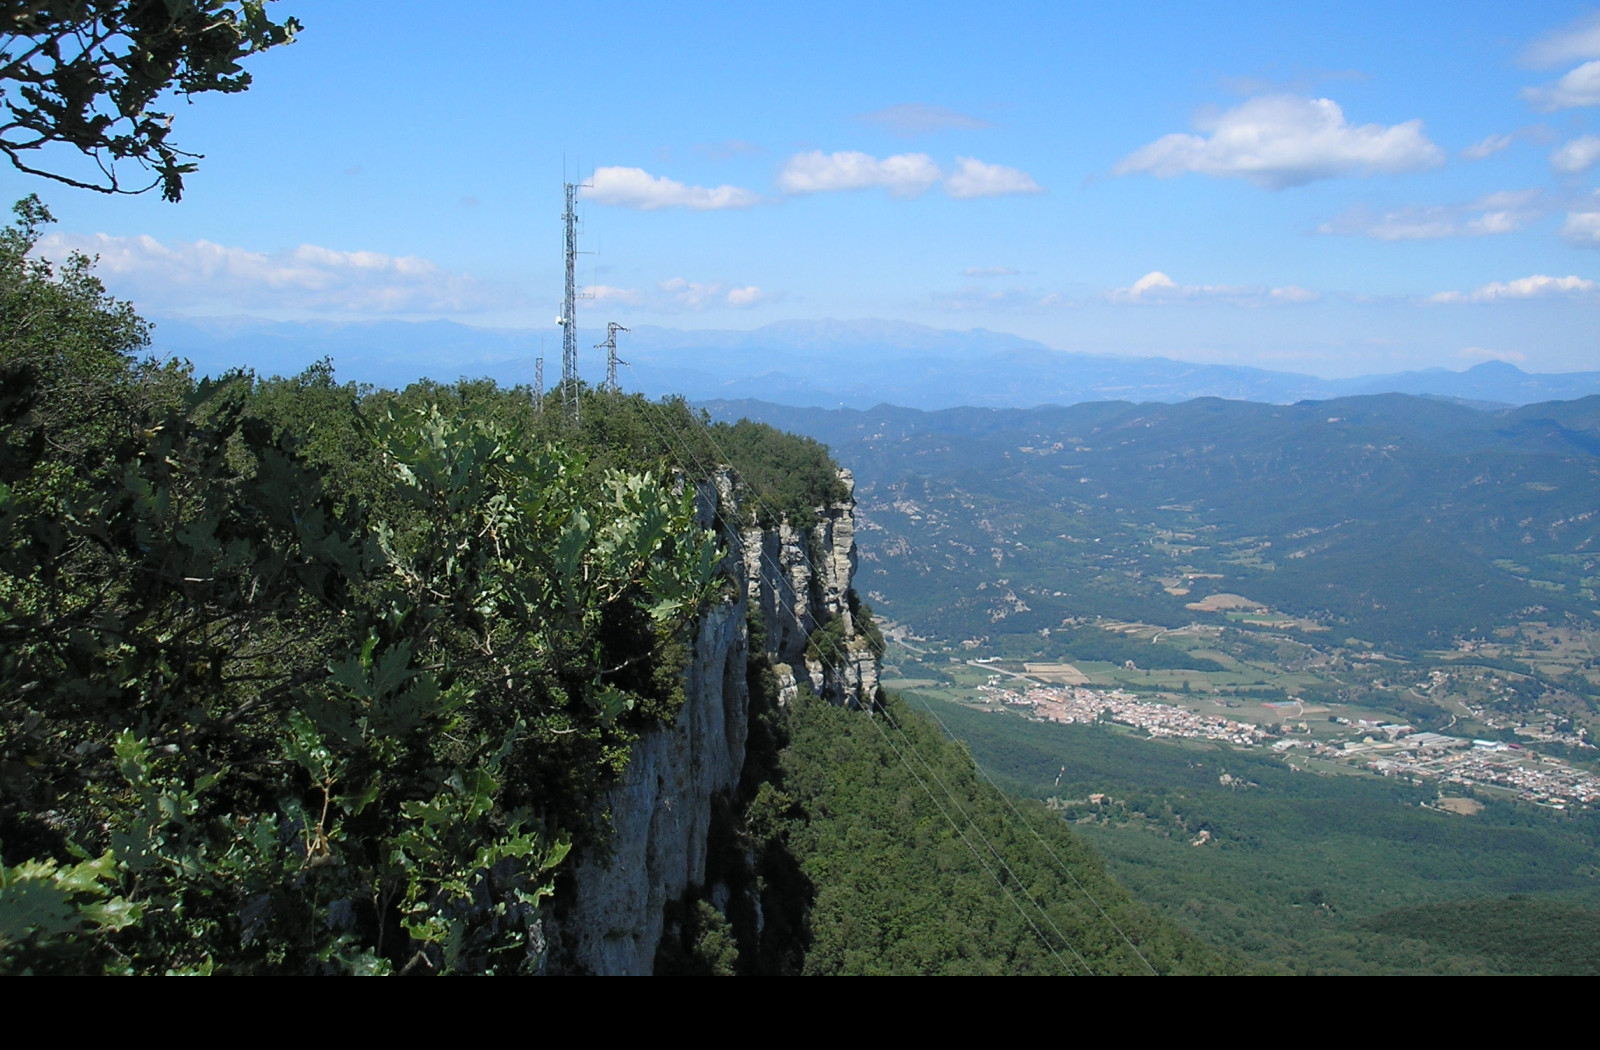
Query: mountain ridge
x=818 y=364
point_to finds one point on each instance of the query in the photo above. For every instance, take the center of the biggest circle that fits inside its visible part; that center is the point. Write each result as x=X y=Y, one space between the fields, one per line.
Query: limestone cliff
x=609 y=914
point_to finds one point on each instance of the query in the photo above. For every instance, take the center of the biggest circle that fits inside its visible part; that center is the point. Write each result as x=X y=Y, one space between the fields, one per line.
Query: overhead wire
x=778 y=596
x=1048 y=848
x=840 y=657
x=685 y=451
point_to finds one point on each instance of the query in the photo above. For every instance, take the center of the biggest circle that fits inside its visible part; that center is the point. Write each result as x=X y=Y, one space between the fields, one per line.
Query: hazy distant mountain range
x=830 y=364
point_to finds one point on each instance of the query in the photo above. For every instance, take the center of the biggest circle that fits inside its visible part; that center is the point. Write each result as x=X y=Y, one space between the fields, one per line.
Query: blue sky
x=1333 y=189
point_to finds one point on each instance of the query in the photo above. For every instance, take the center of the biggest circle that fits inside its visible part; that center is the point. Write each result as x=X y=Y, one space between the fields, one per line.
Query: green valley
x=1355 y=625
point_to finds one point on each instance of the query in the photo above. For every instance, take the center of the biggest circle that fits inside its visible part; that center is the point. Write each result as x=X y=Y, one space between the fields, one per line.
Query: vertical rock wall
x=608 y=916
x=801 y=581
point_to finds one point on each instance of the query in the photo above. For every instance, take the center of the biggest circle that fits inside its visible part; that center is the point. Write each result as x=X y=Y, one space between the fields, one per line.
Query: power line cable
x=841 y=658
x=1048 y=848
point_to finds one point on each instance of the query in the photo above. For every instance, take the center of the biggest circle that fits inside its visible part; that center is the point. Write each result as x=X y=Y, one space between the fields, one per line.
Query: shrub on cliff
x=297 y=678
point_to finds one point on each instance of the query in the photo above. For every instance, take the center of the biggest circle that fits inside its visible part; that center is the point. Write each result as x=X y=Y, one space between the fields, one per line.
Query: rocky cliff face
x=798 y=580
x=609 y=914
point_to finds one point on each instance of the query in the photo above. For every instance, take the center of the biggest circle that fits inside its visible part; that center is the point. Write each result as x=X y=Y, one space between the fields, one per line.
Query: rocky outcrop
x=798 y=580
x=609 y=914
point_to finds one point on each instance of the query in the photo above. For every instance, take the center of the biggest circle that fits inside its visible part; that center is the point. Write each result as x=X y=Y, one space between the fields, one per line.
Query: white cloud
x=1538 y=286
x=1578 y=155
x=903 y=175
x=693 y=294
x=1500 y=199
x=201 y=275
x=1503 y=212
x=1009 y=300
x=705 y=295
x=605 y=293
x=917 y=118
x=637 y=188
x=1577 y=39
x=1278 y=141
x=1487 y=147
x=1157 y=287
x=974 y=178
x=988 y=271
x=1580 y=87
x=1582 y=229
x=906 y=175
x=1152 y=285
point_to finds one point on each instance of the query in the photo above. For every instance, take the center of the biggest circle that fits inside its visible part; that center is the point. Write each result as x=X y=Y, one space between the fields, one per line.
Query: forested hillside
x=1399 y=521
x=1330 y=669
x=305 y=677
x=921 y=867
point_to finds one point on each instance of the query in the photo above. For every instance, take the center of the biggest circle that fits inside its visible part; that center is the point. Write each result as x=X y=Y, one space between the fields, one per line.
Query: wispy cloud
x=1488 y=147
x=918 y=118
x=995 y=300
x=1302 y=82
x=706 y=295
x=904 y=175
x=605 y=293
x=637 y=188
x=1582 y=229
x=1576 y=40
x=1492 y=144
x=1278 y=141
x=1504 y=212
x=1580 y=87
x=1576 y=156
x=1537 y=286
x=203 y=276
x=988 y=271
x=1157 y=287
x=974 y=178
x=749 y=295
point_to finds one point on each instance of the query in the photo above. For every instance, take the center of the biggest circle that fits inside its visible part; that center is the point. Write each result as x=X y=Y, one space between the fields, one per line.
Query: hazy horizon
x=1334 y=192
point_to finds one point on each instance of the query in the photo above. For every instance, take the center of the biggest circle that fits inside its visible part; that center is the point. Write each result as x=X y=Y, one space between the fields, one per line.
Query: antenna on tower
x=538 y=381
x=612 y=361
x=569 y=305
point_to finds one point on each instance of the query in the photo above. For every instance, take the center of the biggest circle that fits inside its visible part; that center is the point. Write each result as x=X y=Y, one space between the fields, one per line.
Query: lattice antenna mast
x=538 y=385
x=612 y=361
x=569 y=305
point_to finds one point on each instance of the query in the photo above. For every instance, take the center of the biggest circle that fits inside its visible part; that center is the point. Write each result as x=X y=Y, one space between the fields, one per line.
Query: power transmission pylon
x=610 y=347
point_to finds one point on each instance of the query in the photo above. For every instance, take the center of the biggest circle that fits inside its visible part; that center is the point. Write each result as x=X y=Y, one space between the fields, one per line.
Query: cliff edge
x=610 y=910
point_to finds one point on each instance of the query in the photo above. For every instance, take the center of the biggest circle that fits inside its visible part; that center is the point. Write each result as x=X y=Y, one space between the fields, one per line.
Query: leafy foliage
x=792 y=475
x=251 y=725
x=86 y=74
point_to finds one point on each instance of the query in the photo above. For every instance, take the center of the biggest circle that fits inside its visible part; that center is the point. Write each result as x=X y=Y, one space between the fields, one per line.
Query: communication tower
x=569 y=305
